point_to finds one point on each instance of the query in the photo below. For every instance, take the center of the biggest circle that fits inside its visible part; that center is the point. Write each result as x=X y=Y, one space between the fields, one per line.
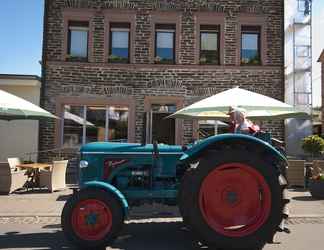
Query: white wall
x=21 y=136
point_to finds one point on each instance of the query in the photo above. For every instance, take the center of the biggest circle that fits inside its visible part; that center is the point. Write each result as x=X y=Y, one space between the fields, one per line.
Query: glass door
x=159 y=128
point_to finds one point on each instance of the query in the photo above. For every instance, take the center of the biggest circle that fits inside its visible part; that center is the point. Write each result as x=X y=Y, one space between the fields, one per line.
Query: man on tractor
x=238 y=122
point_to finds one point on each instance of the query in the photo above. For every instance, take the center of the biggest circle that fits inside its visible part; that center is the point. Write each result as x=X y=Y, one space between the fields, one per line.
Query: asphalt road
x=307 y=234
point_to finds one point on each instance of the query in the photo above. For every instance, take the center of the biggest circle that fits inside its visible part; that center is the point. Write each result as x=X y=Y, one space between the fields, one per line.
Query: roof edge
x=20 y=77
x=321 y=58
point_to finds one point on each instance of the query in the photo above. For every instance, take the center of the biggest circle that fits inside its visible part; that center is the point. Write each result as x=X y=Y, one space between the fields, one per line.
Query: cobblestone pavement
x=57 y=220
x=42 y=203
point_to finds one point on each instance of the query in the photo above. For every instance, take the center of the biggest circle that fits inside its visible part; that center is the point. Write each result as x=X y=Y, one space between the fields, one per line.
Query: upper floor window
x=119 y=42
x=165 y=43
x=251 y=45
x=209 y=44
x=78 y=40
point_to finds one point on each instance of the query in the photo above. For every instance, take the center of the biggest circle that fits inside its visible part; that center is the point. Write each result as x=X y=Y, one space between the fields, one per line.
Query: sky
x=21 y=29
x=21 y=33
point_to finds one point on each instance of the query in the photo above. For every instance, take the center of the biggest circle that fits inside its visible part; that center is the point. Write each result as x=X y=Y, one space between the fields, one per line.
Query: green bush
x=313 y=145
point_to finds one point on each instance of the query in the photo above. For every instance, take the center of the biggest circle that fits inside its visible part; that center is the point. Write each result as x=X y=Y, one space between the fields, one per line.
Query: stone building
x=114 y=69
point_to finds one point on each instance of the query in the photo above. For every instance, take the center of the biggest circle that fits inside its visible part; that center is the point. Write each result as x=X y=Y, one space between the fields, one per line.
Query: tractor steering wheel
x=155 y=149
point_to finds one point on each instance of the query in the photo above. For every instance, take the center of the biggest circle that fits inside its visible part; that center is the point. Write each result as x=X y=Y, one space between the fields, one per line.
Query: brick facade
x=142 y=78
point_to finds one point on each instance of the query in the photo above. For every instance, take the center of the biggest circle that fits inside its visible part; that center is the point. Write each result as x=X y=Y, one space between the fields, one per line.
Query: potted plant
x=316 y=185
x=314 y=145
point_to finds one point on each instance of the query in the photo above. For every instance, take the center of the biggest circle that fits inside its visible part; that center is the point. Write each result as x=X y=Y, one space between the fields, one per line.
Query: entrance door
x=162 y=130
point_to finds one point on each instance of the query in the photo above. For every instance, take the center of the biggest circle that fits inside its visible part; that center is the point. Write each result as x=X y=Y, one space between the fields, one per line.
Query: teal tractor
x=229 y=189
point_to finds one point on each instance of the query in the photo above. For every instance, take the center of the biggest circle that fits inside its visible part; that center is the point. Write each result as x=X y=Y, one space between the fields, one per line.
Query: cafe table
x=33 y=170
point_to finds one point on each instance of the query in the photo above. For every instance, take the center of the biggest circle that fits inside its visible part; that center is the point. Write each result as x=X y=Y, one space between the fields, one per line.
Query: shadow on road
x=157 y=236
x=304 y=198
x=135 y=236
x=41 y=241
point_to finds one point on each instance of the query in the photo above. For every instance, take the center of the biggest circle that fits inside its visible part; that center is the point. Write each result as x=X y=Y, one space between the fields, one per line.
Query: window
x=84 y=124
x=119 y=42
x=78 y=40
x=209 y=44
x=251 y=45
x=303 y=51
x=165 y=43
x=304 y=6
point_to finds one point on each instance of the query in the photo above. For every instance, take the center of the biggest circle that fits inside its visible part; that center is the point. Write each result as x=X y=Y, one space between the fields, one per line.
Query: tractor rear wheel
x=234 y=200
x=92 y=218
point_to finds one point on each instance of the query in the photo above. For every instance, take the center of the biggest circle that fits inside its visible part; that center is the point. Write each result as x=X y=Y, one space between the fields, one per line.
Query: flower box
x=316 y=188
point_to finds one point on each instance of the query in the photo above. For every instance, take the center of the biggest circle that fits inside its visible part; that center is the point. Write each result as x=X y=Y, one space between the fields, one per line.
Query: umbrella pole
x=216 y=128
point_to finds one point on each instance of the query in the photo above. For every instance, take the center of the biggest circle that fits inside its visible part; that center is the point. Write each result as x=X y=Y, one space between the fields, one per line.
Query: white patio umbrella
x=15 y=108
x=258 y=106
x=77 y=119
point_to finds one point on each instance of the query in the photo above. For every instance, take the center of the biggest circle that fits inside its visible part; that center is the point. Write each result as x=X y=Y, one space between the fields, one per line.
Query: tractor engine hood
x=126 y=148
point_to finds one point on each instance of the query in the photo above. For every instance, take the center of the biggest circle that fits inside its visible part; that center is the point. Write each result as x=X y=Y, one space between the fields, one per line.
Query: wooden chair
x=54 y=179
x=296 y=172
x=11 y=179
x=13 y=162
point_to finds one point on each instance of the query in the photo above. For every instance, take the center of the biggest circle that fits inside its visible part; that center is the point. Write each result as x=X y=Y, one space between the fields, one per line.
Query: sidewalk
x=44 y=204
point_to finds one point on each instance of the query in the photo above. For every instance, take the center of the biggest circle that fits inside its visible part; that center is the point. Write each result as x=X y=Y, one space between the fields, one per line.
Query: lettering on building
x=77 y=89
x=165 y=84
x=209 y=91
x=76 y=3
x=212 y=6
x=255 y=9
x=117 y=90
x=251 y=6
x=120 y=4
x=164 y=5
x=104 y=90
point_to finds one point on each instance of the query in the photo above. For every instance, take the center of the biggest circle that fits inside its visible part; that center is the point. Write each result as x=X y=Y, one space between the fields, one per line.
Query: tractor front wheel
x=234 y=201
x=92 y=218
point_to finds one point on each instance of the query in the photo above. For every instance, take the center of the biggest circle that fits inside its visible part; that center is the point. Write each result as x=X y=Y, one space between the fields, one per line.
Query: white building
x=21 y=136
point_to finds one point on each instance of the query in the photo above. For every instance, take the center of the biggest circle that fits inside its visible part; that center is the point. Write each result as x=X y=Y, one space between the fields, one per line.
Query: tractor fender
x=109 y=188
x=196 y=150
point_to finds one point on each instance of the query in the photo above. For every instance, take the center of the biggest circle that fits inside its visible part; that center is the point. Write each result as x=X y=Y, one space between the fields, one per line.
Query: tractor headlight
x=83 y=164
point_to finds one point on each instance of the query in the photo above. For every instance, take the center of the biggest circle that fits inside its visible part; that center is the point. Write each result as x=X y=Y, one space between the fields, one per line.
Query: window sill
x=77 y=59
x=118 y=62
x=211 y=64
x=164 y=63
x=251 y=65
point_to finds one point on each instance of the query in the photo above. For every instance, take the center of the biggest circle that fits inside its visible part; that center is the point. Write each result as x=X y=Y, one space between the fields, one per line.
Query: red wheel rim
x=91 y=219
x=235 y=200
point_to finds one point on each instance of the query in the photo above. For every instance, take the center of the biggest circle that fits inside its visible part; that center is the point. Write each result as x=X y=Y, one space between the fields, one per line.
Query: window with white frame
x=165 y=39
x=251 y=45
x=78 y=36
x=90 y=123
x=209 y=44
x=119 y=42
